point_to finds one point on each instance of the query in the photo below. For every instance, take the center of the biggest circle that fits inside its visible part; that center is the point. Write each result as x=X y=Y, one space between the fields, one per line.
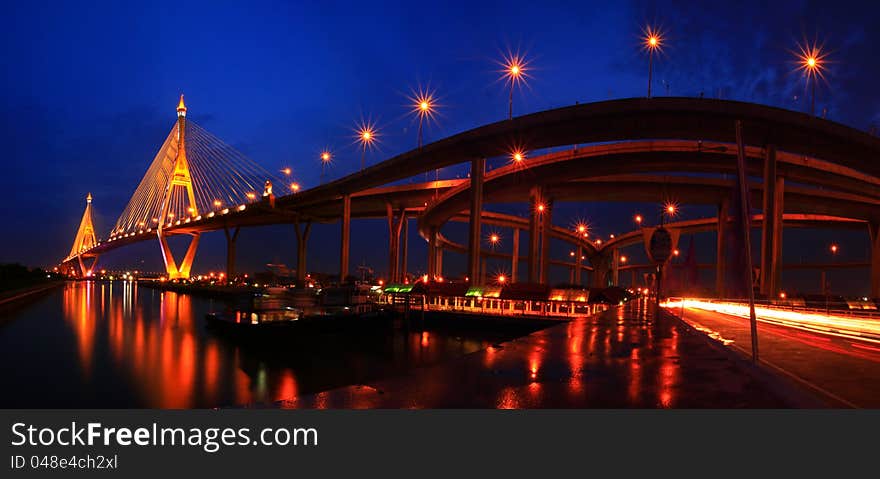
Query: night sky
x=89 y=92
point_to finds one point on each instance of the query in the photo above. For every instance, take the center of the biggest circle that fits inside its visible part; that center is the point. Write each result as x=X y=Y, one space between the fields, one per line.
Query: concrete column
x=405 y=249
x=601 y=266
x=230 y=252
x=478 y=170
x=721 y=244
x=432 y=253
x=394 y=226
x=392 y=244
x=546 y=226
x=438 y=264
x=771 y=230
x=514 y=261
x=535 y=198
x=346 y=237
x=302 y=240
x=578 y=264
x=615 y=267
x=875 y=258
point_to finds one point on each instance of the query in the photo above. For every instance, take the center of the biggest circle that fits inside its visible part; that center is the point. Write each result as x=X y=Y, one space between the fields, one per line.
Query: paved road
x=622 y=358
x=847 y=370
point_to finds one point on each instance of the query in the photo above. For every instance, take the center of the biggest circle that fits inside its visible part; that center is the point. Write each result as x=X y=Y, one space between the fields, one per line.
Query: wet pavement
x=845 y=371
x=621 y=358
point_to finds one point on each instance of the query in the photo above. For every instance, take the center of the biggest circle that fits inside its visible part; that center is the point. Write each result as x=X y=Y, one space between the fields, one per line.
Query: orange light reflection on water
x=157 y=345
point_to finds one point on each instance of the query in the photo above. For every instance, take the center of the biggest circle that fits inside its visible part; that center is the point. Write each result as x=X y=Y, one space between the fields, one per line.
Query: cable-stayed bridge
x=803 y=171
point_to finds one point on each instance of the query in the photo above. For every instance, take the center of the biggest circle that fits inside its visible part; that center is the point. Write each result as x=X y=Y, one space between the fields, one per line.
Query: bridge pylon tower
x=180 y=178
x=84 y=241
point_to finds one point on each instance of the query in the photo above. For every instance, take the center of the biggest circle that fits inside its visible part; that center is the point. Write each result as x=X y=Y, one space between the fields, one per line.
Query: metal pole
x=363 y=153
x=510 y=102
x=813 y=101
x=744 y=218
x=650 y=69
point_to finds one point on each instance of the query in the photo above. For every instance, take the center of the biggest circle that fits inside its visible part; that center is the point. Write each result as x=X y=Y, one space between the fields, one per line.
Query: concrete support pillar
x=346 y=238
x=302 y=241
x=546 y=227
x=514 y=261
x=771 y=230
x=720 y=250
x=601 y=268
x=394 y=227
x=230 y=251
x=578 y=262
x=438 y=264
x=478 y=170
x=875 y=258
x=432 y=253
x=404 y=254
x=615 y=267
x=535 y=198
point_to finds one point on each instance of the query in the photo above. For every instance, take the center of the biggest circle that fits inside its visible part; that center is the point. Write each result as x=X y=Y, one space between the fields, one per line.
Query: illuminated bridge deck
x=613 y=360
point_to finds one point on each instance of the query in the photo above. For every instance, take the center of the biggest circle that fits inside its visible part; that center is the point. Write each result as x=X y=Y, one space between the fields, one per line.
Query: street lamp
x=366 y=134
x=670 y=209
x=423 y=106
x=825 y=283
x=653 y=41
x=494 y=240
x=325 y=158
x=638 y=220
x=515 y=68
x=811 y=62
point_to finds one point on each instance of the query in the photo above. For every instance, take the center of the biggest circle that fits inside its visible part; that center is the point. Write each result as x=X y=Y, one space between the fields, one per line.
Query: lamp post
x=366 y=136
x=811 y=61
x=325 y=158
x=653 y=41
x=825 y=283
x=423 y=106
x=514 y=71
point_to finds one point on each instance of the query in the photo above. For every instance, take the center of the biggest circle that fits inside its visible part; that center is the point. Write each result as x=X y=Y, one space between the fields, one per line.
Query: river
x=117 y=345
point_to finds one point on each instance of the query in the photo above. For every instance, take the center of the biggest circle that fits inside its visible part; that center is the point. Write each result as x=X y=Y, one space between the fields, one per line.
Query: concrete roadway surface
x=845 y=370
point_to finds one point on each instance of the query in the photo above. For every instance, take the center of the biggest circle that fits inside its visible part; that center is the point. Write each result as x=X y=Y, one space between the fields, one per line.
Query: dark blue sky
x=89 y=91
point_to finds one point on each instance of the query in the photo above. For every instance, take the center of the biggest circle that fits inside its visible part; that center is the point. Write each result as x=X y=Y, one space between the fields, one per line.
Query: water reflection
x=115 y=344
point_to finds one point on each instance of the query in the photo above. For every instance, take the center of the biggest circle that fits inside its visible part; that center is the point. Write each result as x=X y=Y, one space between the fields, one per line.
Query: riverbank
x=10 y=298
x=212 y=291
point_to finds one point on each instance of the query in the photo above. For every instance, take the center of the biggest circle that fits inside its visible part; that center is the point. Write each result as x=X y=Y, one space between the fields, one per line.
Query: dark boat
x=267 y=312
